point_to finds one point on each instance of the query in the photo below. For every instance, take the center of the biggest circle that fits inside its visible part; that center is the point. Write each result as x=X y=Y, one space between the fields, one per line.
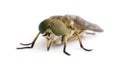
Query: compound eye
x=44 y=25
x=58 y=27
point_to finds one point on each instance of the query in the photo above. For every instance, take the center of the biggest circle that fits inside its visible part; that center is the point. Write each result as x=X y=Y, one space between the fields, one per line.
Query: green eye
x=58 y=27
x=44 y=26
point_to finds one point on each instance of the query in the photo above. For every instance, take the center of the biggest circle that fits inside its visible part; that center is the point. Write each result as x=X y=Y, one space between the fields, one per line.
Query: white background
x=19 y=20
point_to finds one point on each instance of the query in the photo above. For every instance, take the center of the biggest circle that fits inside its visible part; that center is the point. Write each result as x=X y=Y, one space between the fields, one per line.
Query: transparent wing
x=82 y=24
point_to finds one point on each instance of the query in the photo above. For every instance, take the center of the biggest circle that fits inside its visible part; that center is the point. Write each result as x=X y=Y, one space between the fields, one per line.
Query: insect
x=61 y=29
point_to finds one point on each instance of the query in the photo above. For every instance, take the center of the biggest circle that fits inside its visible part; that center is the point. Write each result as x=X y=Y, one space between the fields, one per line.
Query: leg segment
x=80 y=41
x=32 y=44
x=65 y=42
x=48 y=44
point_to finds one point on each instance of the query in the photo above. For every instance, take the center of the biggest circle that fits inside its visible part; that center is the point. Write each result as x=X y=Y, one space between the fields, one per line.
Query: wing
x=80 y=23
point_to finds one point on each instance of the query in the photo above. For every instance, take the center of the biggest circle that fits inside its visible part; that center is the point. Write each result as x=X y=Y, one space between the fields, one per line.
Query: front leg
x=32 y=44
x=48 y=44
x=64 y=39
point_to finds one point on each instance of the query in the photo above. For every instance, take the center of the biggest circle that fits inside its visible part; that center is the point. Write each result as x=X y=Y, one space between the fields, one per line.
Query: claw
x=87 y=49
x=67 y=53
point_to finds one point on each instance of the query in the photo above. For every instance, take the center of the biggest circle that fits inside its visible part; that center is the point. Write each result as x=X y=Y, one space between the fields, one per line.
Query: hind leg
x=80 y=41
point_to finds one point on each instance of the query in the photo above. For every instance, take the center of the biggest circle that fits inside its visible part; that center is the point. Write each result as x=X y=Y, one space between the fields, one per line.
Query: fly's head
x=52 y=27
